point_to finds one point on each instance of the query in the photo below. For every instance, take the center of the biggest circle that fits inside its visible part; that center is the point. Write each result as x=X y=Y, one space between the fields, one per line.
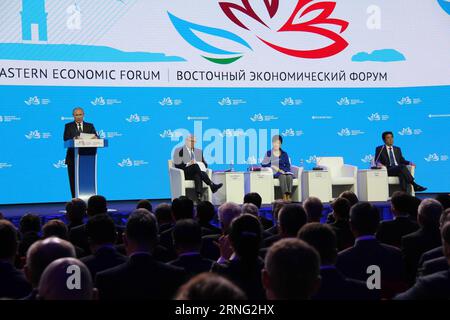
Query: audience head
x=55 y=228
x=313 y=207
x=145 y=204
x=101 y=230
x=227 y=212
x=276 y=207
x=246 y=236
x=210 y=286
x=44 y=252
x=96 y=205
x=250 y=208
x=58 y=281
x=30 y=223
x=350 y=196
x=290 y=219
x=205 y=212
x=445 y=234
x=76 y=211
x=182 y=208
x=341 y=209
x=444 y=199
x=187 y=236
x=400 y=203
x=253 y=197
x=8 y=241
x=291 y=270
x=141 y=233
x=364 y=219
x=445 y=217
x=429 y=213
x=323 y=238
x=163 y=213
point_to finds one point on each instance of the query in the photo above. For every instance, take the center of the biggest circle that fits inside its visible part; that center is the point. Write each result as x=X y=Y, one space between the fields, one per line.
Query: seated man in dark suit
x=78 y=236
x=186 y=158
x=291 y=271
x=163 y=213
x=290 y=219
x=255 y=198
x=391 y=231
x=227 y=212
x=187 y=238
x=57 y=228
x=13 y=284
x=391 y=157
x=239 y=261
x=73 y=130
x=276 y=207
x=101 y=232
x=205 y=214
x=368 y=251
x=424 y=239
x=75 y=213
x=141 y=277
x=333 y=285
x=314 y=209
x=341 y=224
x=435 y=286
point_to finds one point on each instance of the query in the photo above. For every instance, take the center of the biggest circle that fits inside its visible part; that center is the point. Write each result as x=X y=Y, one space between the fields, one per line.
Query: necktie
x=192 y=154
x=79 y=128
x=391 y=157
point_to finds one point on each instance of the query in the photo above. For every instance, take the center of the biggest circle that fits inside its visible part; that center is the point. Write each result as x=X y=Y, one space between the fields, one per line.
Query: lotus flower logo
x=302 y=11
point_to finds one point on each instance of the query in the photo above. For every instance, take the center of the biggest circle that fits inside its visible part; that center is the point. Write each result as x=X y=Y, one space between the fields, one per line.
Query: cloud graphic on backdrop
x=189 y=30
x=383 y=55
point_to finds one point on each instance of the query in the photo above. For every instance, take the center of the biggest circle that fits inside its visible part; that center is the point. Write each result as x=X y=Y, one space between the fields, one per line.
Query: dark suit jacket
x=181 y=157
x=193 y=264
x=104 y=258
x=432 y=287
x=383 y=157
x=166 y=240
x=71 y=131
x=344 y=235
x=267 y=242
x=246 y=276
x=141 y=277
x=334 y=286
x=160 y=253
x=353 y=263
x=13 y=284
x=209 y=249
x=414 y=245
x=431 y=254
x=391 y=232
x=433 y=266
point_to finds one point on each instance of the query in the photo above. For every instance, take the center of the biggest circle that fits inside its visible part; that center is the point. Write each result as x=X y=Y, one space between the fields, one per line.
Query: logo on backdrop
x=346 y=132
x=9 y=118
x=5 y=165
x=345 y=101
x=298 y=21
x=61 y=164
x=168 y=102
x=102 y=134
x=136 y=118
x=292 y=133
x=101 y=101
x=434 y=157
x=289 y=101
x=36 y=101
x=128 y=162
x=408 y=101
x=37 y=135
x=227 y=101
x=410 y=132
x=377 y=117
x=259 y=117
x=367 y=158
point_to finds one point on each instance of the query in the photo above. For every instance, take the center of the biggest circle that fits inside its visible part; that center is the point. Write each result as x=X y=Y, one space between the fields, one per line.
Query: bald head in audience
x=227 y=212
x=44 y=252
x=66 y=279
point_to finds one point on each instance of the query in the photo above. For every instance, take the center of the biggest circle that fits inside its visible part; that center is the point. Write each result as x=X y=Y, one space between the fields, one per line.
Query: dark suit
x=400 y=170
x=246 y=276
x=391 y=231
x=414 y=245
x=70 y=132
x=431 y=254
x=209 y=249
x=13 y=284
x=433 y=287
x=193 y=264
x=181 y=158
x=353 y=263
x=141 y=277
x=433 y=266
x=334 y=286
x=344 y=235
x=104 y=258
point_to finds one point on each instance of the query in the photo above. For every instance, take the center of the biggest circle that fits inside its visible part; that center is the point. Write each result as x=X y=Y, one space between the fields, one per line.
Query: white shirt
x=191 y=153
x=78 y=124
x=393 y=153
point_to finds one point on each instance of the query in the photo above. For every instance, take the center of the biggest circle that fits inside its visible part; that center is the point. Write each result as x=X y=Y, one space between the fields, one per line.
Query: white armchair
x=344 y=177
x=296 y=184
x=394 y=182
x=179 y=186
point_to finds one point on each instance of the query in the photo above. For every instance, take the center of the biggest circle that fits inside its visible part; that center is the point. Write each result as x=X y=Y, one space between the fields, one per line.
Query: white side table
x=232 y=189
x=373 y=185
x=316 y=184
x=260 y=182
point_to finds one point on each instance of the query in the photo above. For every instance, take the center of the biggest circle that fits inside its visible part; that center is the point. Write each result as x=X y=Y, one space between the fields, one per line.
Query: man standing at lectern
x=391 y=157
x=72 y=130
x=191 y=161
